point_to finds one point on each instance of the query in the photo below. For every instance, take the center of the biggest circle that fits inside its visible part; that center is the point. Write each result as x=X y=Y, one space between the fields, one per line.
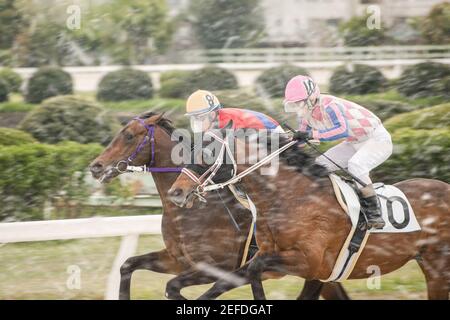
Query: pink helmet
x=301 y=88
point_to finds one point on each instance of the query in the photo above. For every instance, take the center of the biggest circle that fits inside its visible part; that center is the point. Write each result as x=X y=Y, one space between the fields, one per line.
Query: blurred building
x=315 y=22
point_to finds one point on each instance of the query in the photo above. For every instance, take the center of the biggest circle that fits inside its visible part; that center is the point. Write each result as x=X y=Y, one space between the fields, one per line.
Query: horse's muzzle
x=96 y=169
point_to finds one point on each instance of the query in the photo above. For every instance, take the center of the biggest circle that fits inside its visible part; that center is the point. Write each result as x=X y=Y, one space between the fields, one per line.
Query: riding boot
x=371 y=208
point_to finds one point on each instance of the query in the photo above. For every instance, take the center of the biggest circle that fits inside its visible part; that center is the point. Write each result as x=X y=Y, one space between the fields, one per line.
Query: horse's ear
x=229 y=125
x=156 y=118
x=160 y=117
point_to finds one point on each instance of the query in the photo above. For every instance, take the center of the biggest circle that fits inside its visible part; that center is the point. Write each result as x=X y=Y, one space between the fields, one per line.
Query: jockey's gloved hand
x=302 y=136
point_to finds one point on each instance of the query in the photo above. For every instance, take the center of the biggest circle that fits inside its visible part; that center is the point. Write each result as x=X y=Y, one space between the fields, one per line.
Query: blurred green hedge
x=176 y=84
x=32 y=173
x=357 y=79
x=4 y=91
x=437 y=117
x=12 y=79
x=48 y=82
x=70 y=118
x=14 y=137
x=272 y=82
x=426 y=79
x=417 y=154
x=384 y=109
x=180 y=84
x=125 y=84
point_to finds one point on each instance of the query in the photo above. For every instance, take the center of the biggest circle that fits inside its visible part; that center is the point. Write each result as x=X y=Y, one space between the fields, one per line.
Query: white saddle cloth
x=396 y=212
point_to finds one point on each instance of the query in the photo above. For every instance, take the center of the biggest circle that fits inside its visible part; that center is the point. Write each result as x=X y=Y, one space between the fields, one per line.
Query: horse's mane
x=163 y=122
x=166 y=124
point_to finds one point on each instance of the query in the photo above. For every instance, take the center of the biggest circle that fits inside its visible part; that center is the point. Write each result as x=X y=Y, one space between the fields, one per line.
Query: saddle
x=396 y=212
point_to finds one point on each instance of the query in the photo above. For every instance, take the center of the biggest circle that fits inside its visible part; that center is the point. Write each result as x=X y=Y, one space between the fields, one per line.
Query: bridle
x=150 y=136
x=207 y=177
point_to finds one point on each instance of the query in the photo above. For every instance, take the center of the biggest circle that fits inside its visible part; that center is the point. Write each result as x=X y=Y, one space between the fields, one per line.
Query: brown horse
x=201 y=235
x=301 y=227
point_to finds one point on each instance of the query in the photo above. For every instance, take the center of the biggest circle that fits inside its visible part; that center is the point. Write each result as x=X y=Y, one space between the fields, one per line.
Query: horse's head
x=229 y=152
x=210 y=161
x=128 y=147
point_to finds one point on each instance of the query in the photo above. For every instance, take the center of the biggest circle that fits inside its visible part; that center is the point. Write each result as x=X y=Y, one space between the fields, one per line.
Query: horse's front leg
x=186 y=279
x=260 y=264
x=159 y=261
x=237 y=278
x=284 y=262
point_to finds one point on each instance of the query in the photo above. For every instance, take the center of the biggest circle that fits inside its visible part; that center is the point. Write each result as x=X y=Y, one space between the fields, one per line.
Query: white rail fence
x=309 y=54
x=127 y=227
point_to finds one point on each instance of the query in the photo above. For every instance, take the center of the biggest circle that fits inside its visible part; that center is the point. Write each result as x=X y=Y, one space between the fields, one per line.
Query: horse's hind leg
x=159 y=261
x=436 y=270
x=311 y=290
x=334 y=291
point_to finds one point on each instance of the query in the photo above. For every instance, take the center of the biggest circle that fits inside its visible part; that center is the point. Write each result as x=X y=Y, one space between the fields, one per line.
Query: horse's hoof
x=174 y=296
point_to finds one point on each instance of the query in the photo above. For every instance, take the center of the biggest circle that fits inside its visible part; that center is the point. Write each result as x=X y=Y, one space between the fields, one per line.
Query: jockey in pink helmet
x=366 y=143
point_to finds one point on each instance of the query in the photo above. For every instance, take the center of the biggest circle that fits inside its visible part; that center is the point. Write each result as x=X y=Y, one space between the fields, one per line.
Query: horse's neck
x=287 y=182
x=164 y=180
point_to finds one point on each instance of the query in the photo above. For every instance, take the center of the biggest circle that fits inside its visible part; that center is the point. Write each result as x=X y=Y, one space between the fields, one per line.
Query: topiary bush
x=357 y=79
x=14 y=137
x=176 y=84
x=4 y=91
x=180 y=84
x=70 y=118
x=426 y=79
x=32 y=173
x=214 y=78
x=272 y=82
x=12 y=79
x=417 y=153
x=48 y=82
x=125 y=84
x=435 y=117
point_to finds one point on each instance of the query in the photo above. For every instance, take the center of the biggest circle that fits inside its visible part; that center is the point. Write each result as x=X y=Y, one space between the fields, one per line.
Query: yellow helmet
x=201 y=101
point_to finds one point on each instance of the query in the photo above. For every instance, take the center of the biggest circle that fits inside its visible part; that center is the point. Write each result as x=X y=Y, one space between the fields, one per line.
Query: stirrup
x=376 y=224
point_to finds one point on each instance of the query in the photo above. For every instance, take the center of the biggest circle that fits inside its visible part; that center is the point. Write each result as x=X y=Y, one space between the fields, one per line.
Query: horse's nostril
x=176 y=192
x=96 y=167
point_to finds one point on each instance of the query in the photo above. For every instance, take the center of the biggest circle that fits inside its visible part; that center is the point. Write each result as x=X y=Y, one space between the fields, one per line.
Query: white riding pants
x=360 y=157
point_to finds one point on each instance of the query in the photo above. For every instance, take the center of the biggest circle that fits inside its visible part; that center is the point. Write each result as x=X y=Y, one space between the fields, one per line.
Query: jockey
x=205 y=112
x=366 y=145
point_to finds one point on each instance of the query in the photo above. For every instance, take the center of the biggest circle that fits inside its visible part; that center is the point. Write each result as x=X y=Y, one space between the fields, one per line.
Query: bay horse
x=214 y=233
x=301 y=227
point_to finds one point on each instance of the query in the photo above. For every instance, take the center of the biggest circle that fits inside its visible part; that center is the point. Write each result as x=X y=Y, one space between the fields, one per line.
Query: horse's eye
x=129 y=136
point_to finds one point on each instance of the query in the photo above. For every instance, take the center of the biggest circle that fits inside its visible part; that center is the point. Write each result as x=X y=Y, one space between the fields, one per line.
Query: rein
x=150 y=136
x=205 y=182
